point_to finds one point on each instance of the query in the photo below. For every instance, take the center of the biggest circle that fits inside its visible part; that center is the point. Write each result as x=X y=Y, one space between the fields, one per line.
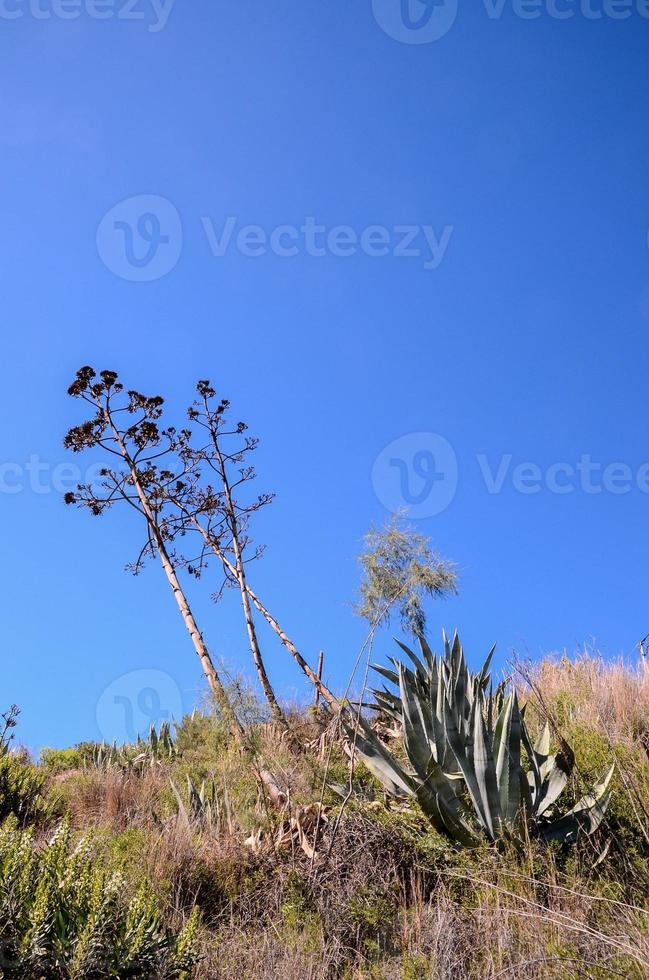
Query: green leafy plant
x=55 y=761
x=202 y=807
x=21 y=784
x=21 y=789
x=466 y=746
x=63 y=914
x=400 y=570
x=158 y=747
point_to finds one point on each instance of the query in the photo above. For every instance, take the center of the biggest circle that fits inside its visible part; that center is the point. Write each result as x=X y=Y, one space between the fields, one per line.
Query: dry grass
x=388 y=898
x=112 y=799
x=603 y=708
x=381 y=909
x=596 y=693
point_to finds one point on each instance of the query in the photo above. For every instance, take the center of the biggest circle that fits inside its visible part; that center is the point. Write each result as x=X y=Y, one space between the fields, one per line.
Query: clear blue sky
x=523 y=141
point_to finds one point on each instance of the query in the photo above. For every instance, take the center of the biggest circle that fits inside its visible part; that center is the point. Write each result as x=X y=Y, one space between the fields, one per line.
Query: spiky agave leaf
x=585 y=816
x=478 y=768
x=435 y=793
x=439 y=796
x=548 y=774
x=381 y=763
x=507 y=755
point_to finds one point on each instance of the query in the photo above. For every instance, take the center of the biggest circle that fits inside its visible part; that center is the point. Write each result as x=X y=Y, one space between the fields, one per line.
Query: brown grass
x=388 y=899
x=112 y=799
x=380 y=915
x=596 y=693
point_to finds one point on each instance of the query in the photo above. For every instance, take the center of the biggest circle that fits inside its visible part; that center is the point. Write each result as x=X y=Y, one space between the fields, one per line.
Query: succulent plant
x=202 y=808
x=470 y=761
x=158 y=747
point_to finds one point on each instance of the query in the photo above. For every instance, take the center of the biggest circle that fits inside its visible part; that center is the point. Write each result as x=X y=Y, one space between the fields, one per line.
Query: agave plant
x=202 y=809
x=471 y=763
x=207 y=808
x=158 y=747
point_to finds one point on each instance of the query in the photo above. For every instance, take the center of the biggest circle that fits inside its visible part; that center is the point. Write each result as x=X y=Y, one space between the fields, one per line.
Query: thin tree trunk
x=292 y=649
x=270 y=619
x=213 y=679
x=240 y=575
x=319 y=676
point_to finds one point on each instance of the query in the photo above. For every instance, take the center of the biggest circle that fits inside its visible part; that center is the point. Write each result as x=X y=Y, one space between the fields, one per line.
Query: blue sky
x=507 y=356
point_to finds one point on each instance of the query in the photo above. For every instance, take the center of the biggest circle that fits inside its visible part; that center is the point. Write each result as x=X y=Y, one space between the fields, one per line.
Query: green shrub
x=64 y=914
x=56 y=761
x=21 y=789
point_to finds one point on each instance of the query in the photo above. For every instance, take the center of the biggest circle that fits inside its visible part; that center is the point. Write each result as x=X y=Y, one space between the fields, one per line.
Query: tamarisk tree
x=126 y=426
x=400 y=570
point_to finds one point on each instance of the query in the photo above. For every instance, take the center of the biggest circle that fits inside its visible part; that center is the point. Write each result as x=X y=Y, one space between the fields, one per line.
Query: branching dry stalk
x=144 y=437
x=230 y=568
x=212 y=420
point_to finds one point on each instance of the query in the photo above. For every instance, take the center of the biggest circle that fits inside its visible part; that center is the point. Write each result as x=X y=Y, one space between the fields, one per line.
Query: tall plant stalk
x=217 y=459
x=137 y=446
x=318 y=683
x=221 y=522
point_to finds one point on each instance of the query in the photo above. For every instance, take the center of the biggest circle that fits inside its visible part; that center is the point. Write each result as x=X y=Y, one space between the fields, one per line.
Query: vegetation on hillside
x=292 y=880
x=441 y=826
